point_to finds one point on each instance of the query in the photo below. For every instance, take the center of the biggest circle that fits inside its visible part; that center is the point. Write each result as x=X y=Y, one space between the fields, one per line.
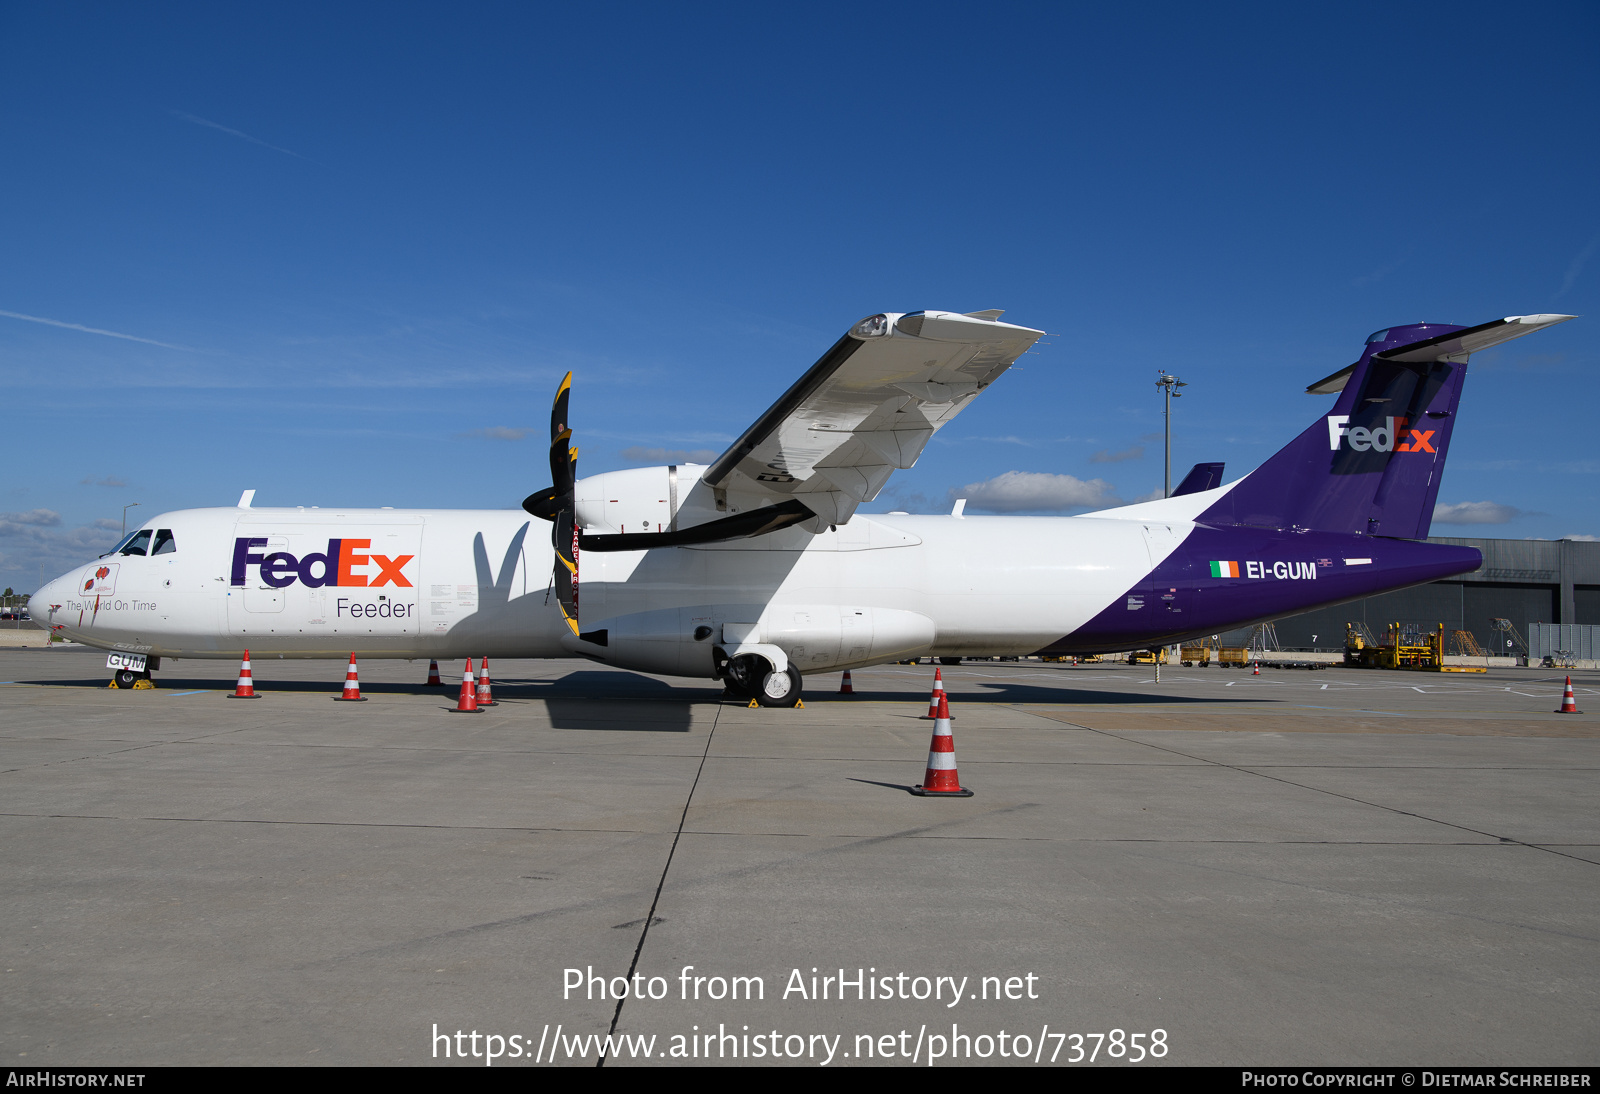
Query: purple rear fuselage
x=1279 y=574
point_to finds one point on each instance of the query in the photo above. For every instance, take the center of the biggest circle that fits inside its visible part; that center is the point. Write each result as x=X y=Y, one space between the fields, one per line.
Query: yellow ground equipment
x=1148 y=657
x=1402 y=647
x=1236 y=656
x=1195 y=655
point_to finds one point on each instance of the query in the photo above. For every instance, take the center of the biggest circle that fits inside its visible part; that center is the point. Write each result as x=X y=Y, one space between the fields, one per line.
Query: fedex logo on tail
x=335 y=566
x=1380 y=438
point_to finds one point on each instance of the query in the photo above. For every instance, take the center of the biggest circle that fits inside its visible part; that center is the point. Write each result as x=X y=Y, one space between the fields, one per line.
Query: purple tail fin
x=1372 y=465
x=1203 y=476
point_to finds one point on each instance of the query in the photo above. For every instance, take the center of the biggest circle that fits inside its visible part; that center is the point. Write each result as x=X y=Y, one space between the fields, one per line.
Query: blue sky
x=343 y=254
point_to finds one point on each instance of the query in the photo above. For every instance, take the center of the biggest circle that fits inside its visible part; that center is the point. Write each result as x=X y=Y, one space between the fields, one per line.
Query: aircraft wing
x=868 y=407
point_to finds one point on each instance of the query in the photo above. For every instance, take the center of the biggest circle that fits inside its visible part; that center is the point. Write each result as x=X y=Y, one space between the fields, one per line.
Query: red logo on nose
x=102 y=571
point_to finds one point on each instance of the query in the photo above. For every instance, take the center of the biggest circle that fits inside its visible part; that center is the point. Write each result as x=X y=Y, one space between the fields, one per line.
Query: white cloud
x=40 y=548
x=1475 y=512
x=12 y=523
x=667 y=455
x=1582 y=538
x=1019 y=491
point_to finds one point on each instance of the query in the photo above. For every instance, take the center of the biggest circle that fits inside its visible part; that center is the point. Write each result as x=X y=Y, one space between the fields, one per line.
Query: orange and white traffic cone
x=433 y=675
x=468 y=703
x=1569 y=702
x=485 y=693
x=352 y=686
x=938 y=693
x=844 y=684
x=1258 y=669
x=941 y=780
x=246 y=688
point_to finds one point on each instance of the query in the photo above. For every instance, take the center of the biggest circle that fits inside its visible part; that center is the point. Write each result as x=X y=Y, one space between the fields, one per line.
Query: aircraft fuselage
x=317 y=583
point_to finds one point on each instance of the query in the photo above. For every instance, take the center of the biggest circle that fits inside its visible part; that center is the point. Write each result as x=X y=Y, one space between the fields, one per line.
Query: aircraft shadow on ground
x=167 y=682
x=613 y=701
x=1033 y=694
x=584 y=699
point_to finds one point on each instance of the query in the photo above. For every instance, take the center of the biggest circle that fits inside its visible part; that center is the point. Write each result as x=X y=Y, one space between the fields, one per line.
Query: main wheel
x=742 y=676
x=779 y=689
x=126 y=678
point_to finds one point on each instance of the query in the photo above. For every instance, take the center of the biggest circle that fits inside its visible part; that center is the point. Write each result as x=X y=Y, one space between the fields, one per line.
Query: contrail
x=1575 y=267
x=242 y=136
x=91 y=330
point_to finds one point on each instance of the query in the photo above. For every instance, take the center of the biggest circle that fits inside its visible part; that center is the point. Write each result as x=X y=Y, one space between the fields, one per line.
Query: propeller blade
x=564 y=537
x=556 y=503
x=546 y=503
x=558 y=409
x=563 y=471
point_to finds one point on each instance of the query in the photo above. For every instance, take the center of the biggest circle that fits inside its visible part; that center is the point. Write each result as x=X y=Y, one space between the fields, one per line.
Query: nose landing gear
x=138 y=681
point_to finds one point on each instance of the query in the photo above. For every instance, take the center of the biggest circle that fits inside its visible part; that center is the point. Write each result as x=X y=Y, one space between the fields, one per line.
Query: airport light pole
x=131 y=504
x=1166 y=384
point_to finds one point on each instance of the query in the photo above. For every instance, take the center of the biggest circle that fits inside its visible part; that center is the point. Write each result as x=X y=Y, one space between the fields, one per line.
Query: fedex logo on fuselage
x=335 y=566
x=1379 y=438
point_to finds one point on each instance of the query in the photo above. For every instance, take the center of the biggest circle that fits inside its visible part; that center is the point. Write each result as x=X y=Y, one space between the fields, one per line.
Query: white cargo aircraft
x=757 y=569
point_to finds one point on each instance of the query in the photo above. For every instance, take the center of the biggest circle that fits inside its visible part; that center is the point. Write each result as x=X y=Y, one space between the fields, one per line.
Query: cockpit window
x=138 y=544
x=165 y=544
x=1378 y=337
x=121 y=543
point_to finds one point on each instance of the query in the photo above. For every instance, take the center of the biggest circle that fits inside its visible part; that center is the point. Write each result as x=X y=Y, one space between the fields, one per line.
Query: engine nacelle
x=665 y=499
x=694 y=641
x=640 y=499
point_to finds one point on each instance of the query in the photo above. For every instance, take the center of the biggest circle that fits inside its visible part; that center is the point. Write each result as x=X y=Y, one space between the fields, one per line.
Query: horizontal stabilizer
x=1454 y=346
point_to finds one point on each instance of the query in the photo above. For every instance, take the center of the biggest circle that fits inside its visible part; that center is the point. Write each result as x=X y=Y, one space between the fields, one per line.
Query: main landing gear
x=753 y=677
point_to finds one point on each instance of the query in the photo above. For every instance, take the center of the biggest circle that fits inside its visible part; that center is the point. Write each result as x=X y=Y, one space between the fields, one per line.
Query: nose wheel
x=127 y=678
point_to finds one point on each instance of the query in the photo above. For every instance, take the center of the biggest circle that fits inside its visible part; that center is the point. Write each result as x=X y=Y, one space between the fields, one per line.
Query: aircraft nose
x=48 y=594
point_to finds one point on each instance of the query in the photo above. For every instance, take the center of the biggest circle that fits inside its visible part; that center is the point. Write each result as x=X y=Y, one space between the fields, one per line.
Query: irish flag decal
x=1224 y=569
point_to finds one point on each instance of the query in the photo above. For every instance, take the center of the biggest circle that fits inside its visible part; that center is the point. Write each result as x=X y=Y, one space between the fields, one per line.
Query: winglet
x=246 y=498
x=960 y=509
